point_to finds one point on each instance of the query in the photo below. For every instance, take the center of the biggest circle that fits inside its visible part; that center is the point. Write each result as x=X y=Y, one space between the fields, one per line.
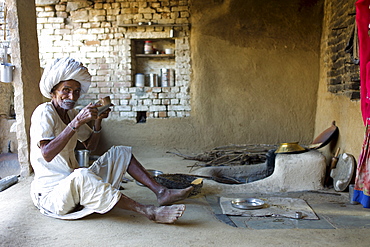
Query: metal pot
x=290 y=147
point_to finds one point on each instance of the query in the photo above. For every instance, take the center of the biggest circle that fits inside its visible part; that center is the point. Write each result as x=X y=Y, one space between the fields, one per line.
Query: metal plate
x=247 y=203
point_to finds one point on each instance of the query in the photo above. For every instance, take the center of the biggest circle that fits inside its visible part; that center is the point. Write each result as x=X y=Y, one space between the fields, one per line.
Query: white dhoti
x=95 y=189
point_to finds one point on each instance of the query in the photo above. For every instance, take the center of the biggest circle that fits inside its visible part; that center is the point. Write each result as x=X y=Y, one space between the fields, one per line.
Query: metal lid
x=343 y=172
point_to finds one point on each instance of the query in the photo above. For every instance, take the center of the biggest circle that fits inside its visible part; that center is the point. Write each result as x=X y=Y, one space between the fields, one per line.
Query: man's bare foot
x=165 y=214
x=169 y=196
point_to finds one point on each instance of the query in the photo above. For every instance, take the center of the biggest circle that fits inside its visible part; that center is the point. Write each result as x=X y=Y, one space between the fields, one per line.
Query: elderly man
x=63 y=190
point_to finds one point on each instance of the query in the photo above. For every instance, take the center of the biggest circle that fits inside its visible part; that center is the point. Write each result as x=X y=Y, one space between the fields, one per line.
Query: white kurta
x=59 y=185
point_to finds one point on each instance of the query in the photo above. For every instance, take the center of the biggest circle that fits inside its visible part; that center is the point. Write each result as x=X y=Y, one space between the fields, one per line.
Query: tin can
x=153 y=80
x=167 y=77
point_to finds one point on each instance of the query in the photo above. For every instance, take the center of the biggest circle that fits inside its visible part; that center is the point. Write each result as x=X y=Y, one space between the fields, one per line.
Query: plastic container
x=148 y=47
x=139 y=80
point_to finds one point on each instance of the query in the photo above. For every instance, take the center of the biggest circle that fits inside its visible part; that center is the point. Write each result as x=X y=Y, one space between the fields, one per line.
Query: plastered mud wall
x=255 y=78
x=340 y=108
x=259 y=76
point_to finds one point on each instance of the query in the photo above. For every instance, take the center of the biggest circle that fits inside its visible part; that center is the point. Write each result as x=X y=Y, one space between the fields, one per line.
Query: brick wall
x=102 y=34
x=343 y=70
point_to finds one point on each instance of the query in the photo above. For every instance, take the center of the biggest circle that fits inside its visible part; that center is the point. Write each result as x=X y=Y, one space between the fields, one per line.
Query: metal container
x=167 y=77
x=153 y=80
x=7 y=72
x=298 y=215
x=290 y=147
x=152 y=173
x=83 y=157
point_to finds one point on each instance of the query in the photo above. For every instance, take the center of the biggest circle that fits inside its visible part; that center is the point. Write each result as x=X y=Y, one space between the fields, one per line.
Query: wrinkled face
x=66 y=93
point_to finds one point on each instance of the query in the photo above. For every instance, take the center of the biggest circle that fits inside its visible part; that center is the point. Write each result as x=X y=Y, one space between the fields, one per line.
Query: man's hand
x=88 y=113
x=105 y=113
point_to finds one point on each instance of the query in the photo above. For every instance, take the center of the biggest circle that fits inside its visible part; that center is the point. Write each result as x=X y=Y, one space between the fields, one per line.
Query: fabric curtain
x=362 y=184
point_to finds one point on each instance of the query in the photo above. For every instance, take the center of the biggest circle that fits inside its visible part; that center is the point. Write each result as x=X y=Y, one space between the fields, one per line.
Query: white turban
x=62 y=70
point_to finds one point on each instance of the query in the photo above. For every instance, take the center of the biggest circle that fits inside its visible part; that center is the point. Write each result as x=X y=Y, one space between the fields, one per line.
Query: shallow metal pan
x=247 y=203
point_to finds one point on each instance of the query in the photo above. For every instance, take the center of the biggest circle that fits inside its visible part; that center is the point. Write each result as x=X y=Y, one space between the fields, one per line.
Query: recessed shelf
x=156 y=55
x=154 y=25
x=141 y=117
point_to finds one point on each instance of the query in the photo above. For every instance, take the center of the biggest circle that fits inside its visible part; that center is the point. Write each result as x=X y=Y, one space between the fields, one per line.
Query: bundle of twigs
x=247 y=154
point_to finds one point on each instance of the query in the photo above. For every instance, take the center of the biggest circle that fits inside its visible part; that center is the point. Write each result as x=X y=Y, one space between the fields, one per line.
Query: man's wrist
x=72 y=127
x=95 y=130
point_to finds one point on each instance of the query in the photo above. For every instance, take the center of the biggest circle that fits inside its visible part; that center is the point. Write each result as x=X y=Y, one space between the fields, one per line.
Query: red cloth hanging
x=363 y=20
x=362 y=183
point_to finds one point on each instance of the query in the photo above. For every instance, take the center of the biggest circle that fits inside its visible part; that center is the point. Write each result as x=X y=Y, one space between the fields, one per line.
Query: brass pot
x=290 y=147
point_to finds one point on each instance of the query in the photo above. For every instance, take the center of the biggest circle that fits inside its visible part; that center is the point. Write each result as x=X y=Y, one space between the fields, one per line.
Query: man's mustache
x=69 y=101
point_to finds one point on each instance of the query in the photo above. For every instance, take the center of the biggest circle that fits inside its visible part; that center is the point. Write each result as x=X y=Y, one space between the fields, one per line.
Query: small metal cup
x=83 y=157
x=298 y=215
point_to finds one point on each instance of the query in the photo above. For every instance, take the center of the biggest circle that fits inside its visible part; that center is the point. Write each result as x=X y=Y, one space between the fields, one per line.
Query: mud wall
x=259 y=76
x=254 y=80
x=340 y=108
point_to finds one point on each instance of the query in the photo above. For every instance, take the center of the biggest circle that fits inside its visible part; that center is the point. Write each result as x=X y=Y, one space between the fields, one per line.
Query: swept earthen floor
x=341 y=224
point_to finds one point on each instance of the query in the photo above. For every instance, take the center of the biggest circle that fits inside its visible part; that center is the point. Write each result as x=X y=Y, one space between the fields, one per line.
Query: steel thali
x=247 y=203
